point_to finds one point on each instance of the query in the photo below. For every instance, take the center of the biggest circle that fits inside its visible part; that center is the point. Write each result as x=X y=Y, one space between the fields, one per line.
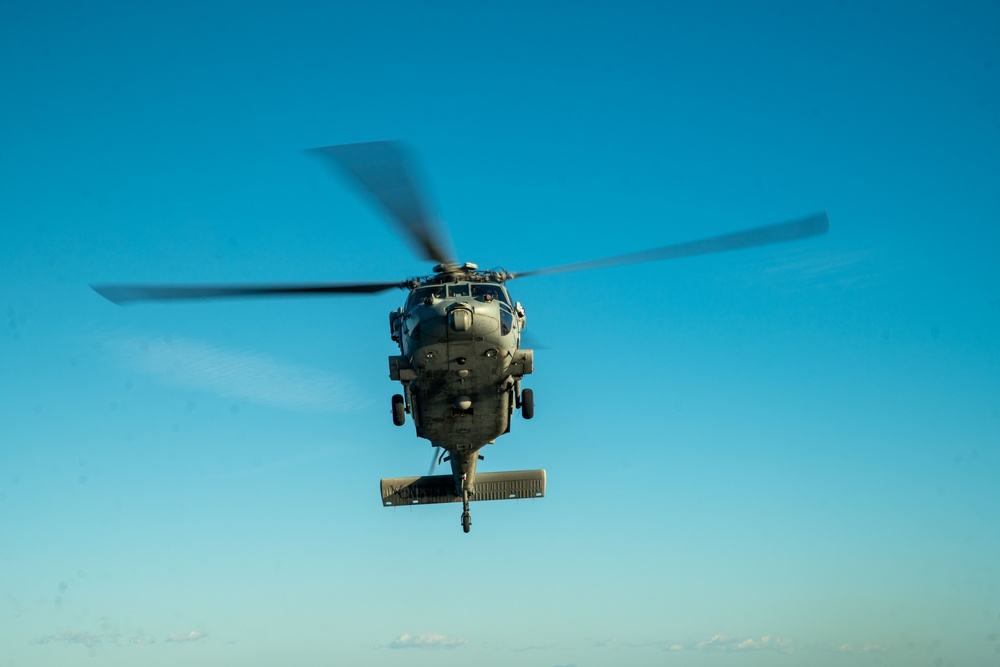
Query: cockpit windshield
x=423 y=293
x=484 y=291
x=481 y=290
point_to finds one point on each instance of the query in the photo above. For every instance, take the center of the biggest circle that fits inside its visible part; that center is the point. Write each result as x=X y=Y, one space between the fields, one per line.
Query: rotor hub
x=447 y=268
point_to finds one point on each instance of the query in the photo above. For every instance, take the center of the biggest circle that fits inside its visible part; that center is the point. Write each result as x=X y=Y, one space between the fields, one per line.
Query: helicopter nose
x=460 y=319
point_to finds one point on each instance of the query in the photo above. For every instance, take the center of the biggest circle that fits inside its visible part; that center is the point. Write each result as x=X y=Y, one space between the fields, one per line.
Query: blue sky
x=788 y=455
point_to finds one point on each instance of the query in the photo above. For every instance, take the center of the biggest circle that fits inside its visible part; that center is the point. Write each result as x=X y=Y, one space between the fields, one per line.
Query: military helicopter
x=461 y=364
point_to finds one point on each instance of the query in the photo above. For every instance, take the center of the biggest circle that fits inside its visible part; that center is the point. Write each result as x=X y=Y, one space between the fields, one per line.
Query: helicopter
x=461 y=363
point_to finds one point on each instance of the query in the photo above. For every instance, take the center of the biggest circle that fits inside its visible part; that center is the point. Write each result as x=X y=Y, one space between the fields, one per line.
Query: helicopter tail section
x=431 y=489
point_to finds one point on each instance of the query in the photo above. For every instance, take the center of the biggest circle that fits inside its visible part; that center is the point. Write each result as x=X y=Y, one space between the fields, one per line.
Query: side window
x=506 y=320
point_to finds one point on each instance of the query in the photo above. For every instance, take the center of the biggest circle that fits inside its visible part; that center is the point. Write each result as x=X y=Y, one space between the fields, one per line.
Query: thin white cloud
x=427 y=641
x=716 y=643
x=88 y=639
x=614 y=643
x=721 y=643
x=729 y=644
x=241 y=374
x=92 y=639
x=861 y=648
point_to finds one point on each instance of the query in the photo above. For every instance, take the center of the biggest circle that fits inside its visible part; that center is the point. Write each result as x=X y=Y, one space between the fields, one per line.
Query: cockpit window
x=475 y=290
x=418 y=295
x=495 y=291
x=506 y=320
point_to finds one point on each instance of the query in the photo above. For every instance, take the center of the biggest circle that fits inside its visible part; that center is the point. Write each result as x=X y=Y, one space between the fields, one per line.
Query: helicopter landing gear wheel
x=527 y=404
x=398 y=410
x=466 y=522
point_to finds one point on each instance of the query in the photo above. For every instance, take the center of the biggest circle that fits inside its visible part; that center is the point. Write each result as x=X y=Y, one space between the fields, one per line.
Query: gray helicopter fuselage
x=461 y=365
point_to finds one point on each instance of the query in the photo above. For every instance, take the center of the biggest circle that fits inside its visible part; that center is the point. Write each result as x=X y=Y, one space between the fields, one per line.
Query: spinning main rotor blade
x=381 y=169
x=122 y=294
x=748 y=238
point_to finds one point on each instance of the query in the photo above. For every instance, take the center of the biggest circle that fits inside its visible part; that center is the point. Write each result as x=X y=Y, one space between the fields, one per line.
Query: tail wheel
x=398 y=410
x=527 y=404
